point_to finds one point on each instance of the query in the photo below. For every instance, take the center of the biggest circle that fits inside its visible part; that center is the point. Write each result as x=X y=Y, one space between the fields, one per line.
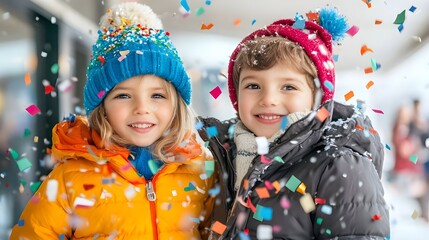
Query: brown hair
x=264 y=52
x=180 y=124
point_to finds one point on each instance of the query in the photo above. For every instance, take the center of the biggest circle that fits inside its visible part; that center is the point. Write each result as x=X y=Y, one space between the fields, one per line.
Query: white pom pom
x=131 y=13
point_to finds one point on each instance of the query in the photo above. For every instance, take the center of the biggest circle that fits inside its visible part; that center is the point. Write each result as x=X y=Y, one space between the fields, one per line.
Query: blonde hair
x=181 y=123
x=264 y=52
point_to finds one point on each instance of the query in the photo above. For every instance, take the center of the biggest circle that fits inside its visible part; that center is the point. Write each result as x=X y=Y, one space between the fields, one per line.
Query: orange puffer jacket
x=97 y=194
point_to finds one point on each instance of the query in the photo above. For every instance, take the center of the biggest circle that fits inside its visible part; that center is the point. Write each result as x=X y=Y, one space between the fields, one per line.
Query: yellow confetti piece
x=36 y=139
x=349 y=95
x=415 y=214
x=301 y=188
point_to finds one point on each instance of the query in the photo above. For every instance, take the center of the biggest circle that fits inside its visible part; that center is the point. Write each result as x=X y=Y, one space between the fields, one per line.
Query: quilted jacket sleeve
x=355 y=207
x=46 y=214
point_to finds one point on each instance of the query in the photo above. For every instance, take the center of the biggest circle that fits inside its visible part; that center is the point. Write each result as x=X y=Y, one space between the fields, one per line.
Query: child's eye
x=122 y=96
x=288 y=87
x=158 y=95
x=252 y=86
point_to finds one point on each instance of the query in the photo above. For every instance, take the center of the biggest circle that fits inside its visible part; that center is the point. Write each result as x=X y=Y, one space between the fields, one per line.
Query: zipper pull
x=150 y=193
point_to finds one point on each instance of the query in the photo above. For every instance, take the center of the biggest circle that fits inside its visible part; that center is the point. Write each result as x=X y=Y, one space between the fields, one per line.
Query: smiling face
x=266 y=96
x=140 y=109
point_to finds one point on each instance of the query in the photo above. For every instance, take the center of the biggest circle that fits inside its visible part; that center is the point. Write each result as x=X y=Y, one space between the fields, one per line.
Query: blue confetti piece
x=185 y=5
x=198 y=125
x=299 y=24
x=214 y=191
x=263 y=213
x=366 y=133
x=211 y=131
x=400 y=27
x=208 y=2
x=253 y=21
x=284 y=123
x=243 y=236
x=412 y=9
x=335 y=57
x=61 y=236
x=21 y=222
x=388 y=147
x=329 y=85
x=326 y=209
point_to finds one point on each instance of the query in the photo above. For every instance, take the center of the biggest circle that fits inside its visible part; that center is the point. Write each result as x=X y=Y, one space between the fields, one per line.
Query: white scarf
x=247 y=148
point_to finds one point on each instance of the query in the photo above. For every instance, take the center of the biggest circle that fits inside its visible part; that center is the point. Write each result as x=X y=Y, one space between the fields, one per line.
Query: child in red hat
x=298 y=164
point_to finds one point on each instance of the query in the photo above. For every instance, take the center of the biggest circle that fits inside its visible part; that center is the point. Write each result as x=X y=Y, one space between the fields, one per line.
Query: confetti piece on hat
x=23 y=164
x=211 y=131
x=263 y=213
x=377 y=111
x=329 y=85
x=237 y=22
x=400 y=18
x=369 y=85
x=253 y=22
x=206 y=27
x=299 y=24
x=307 y=203
x=293 y=183
x=353 y=30
x=322 y=114
x=326 y=209
x=264 y=232
x=199 y=11
x=378 y=21
x=262 y=145
x=185 y=5
x=54 y=68
x=312 y=16
x=101 y=94
x=262 y=192
x=32 y=110
x=216 y=92
x=387 y=147
x=349 y=95
x=52 y=190
x=27 y=79
x=364 y=49
x=414 y=159
x=218 y=227
x=412 y=9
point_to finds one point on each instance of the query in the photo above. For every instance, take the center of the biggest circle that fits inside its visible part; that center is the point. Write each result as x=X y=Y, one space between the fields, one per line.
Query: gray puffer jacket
x=340 y=163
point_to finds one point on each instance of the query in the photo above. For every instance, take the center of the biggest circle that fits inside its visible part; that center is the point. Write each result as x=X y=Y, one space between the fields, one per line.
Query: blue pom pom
x=335 y=23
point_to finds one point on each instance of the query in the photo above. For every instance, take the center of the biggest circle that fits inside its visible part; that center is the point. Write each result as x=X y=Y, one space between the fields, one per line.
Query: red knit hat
x=313 y=38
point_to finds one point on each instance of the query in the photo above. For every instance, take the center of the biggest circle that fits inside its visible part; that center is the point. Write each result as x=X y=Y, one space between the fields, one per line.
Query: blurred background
x=45 y=46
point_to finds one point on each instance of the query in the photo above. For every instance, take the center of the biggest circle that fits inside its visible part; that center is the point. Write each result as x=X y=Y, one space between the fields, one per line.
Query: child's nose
x=269 y=98
x=141 y=107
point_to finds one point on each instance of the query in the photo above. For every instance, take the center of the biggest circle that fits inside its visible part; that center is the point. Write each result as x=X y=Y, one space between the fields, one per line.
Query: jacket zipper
x=151 y=196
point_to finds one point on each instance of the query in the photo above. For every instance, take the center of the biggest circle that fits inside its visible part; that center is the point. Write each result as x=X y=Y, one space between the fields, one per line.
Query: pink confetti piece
x=32 y=110
x=101 y=94
x=216 y=92
x=378 y=111
x=353 y=30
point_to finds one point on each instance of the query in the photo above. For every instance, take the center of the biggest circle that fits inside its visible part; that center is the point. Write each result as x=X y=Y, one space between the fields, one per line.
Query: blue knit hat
x=130 y=43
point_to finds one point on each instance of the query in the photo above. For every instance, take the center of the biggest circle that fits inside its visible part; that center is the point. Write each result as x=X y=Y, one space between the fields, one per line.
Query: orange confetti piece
x=218 y=227
x=368 y=70
x=368 y=4
x=277 y=186
x=349 y=95
x=262 y=192
x=369 y=84
x=364 y=49
x=359 y=127
x=313 y=17
x=322 y=114
x=372 y=131
x=377 y=21
x=206 y=27
x=27 y=79
x=237 y=22
x=246 y=184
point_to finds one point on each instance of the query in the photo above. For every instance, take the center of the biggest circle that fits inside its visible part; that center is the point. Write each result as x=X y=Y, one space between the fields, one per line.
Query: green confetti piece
x=34 y=186
x=153 y=166
x=23 y=182
x=319 y=220
x=400 y=18
x=199 y=11
x=54 y=68
x=278 y=159
x=27 y=132
x=23 y=164
x=13 y=153
x=210 y=167
x=414 y=159
x=374 y=64
x=328 y=231
x=293 y=183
